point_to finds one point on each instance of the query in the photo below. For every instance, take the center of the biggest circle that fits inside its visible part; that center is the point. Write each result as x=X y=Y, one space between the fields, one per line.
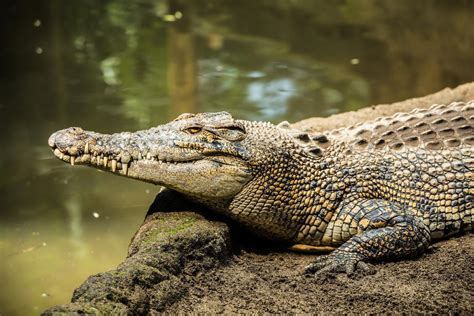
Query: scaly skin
x=380 y=190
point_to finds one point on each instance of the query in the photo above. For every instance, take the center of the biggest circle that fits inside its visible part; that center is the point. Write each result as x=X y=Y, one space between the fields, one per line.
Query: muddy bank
x=270 y=281
x=180 y=261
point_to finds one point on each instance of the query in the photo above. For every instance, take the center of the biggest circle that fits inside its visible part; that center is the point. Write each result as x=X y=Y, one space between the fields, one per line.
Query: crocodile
x=380 y=190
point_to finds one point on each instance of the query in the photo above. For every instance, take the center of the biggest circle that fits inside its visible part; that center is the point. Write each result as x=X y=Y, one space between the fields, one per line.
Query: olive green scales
x=379 y=190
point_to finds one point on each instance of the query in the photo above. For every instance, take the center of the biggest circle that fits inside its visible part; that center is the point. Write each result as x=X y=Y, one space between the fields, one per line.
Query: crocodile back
x=423 y=159
x=437 y=128
x=420 y=162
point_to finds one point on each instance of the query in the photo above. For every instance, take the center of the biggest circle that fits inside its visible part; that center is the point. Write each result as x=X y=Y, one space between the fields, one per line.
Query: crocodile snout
x=68 y=143
x=66 y=138
x=76 y=146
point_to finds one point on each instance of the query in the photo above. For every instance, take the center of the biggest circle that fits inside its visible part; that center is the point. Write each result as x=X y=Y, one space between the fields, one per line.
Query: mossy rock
x=166 y=249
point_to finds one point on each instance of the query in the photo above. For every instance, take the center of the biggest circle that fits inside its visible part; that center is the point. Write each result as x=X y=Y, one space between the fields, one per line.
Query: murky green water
x=125 y=65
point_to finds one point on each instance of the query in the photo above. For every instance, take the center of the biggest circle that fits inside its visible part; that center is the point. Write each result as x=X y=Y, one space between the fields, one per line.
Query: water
x=116 y=65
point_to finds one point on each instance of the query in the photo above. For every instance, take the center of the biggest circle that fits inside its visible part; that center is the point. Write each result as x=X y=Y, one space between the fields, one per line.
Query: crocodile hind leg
x=381 y=230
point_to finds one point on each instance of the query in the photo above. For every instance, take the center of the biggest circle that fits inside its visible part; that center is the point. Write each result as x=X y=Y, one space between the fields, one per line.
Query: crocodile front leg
x=385 y=231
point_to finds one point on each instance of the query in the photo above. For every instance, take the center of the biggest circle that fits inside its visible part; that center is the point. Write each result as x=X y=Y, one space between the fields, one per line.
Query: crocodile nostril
x=75 y=130
x=66 y=138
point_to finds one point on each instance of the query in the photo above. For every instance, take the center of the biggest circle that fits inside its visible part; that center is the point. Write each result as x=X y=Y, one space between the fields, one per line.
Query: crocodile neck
x=278 y=200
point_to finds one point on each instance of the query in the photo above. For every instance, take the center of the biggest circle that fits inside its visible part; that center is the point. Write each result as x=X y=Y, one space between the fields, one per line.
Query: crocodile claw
x=339 y=262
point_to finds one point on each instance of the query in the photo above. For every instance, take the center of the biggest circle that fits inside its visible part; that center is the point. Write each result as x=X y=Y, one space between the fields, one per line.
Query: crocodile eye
x=193 y=130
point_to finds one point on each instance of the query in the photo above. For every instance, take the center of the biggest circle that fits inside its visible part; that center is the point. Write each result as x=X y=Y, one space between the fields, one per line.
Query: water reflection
x=121 y=65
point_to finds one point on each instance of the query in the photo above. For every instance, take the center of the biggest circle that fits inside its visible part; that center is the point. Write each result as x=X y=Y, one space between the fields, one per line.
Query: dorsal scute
x=312 y=144
x=439 y=127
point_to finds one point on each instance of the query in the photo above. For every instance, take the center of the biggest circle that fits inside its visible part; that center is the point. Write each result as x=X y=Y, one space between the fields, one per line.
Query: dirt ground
x=271 y=281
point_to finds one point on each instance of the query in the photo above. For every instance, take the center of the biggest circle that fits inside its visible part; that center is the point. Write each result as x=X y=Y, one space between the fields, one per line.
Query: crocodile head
x=207 y=155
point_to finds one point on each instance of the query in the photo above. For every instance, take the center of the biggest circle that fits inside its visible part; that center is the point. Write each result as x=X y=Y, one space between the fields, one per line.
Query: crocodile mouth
x=121 y=163
x=114 y=163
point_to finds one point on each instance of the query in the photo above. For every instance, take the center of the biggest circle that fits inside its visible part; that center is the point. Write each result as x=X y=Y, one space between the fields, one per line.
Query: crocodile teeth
x=72 y=160
x=140 y=157
x=105 y=161
x=114 y=165
x=86 y=148
x=125 y=168
x=61 y=156
x=148 y=156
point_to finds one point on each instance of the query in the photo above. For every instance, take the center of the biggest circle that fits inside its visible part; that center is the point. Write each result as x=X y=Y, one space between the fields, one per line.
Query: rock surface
x=180 y=261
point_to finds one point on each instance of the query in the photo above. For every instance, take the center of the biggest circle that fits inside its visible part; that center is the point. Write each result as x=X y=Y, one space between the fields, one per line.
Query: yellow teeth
x=100 y=161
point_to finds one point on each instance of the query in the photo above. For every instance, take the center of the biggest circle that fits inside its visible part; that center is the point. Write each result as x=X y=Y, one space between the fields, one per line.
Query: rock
x=167 y=249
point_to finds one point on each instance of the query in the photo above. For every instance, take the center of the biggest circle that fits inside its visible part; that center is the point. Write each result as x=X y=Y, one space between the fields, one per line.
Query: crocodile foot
x=339 y=262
